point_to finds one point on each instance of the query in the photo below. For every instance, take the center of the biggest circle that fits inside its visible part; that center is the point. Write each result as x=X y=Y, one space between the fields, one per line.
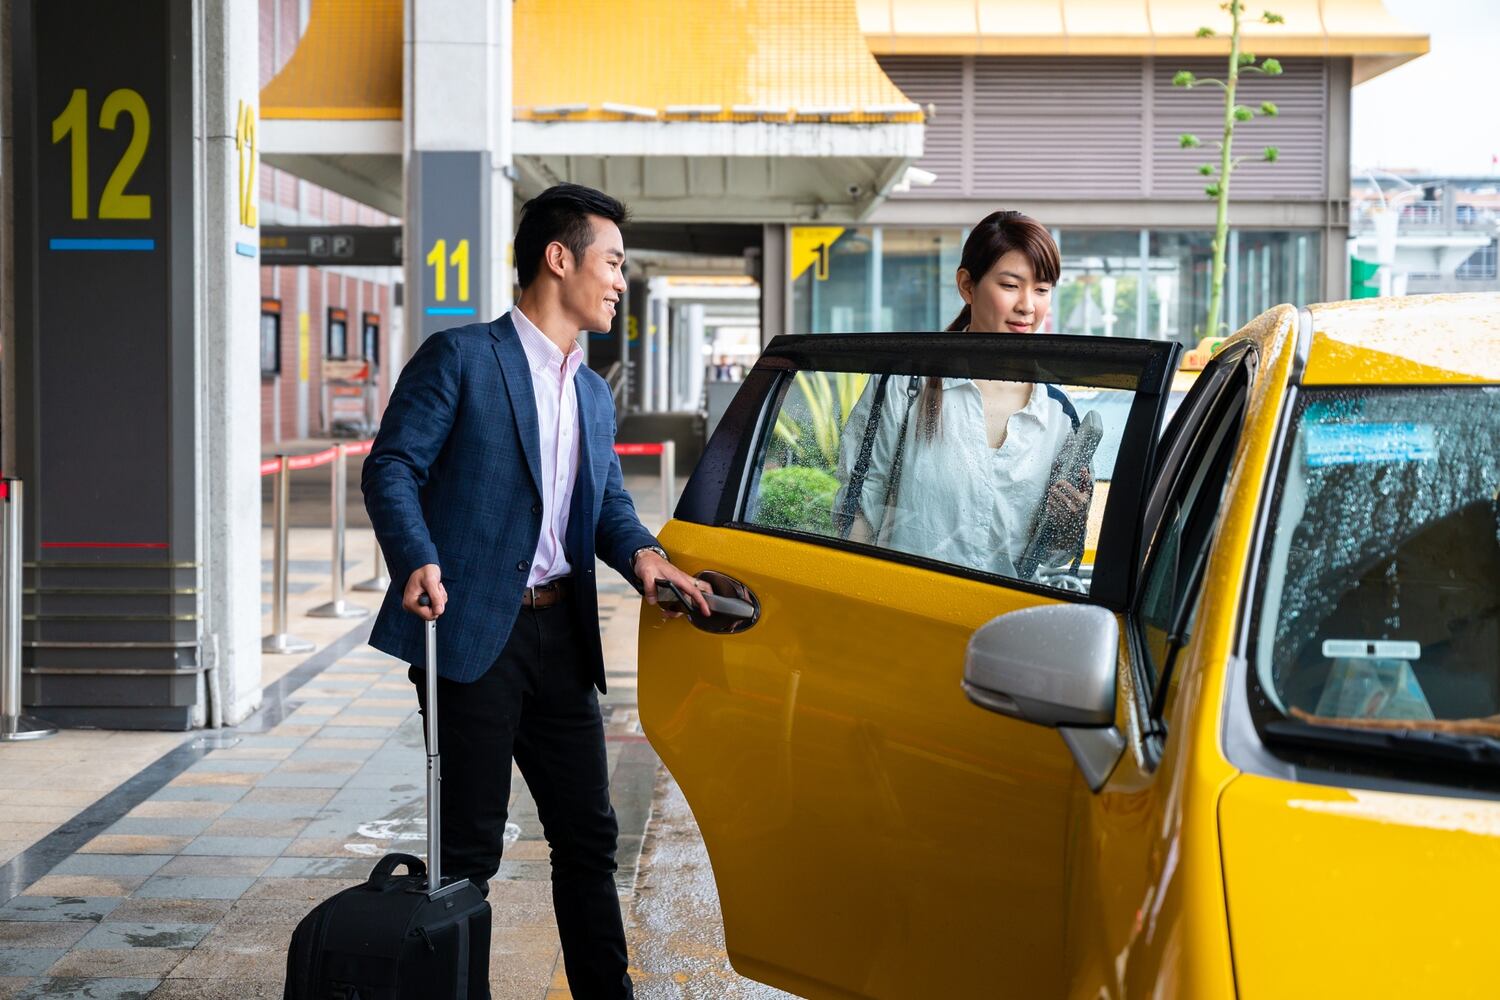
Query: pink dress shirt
x=557 y=421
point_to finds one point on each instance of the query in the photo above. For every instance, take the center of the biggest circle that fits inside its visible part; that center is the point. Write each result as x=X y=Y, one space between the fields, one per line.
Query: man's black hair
x=561 y=213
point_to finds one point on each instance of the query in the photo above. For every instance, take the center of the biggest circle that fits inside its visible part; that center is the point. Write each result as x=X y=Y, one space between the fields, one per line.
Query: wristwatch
x=648 y=548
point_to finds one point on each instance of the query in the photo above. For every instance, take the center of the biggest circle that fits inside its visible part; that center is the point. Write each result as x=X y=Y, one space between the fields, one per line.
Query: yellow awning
x=347 y=66
x=714 y=60
x=1362 y=29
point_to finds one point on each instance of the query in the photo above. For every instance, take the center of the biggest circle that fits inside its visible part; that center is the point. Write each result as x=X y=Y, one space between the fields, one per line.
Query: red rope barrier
x=270 y=466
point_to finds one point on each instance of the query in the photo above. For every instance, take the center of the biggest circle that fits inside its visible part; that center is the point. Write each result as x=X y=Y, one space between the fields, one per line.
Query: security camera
x=853 y=190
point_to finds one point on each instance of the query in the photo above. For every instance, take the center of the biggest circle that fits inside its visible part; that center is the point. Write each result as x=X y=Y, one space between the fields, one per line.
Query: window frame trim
x=717 y=492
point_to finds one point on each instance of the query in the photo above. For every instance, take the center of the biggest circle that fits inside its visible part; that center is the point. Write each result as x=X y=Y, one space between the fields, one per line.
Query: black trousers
x=536 y=704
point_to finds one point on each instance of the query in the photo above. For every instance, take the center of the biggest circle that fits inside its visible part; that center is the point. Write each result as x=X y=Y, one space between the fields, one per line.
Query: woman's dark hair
x=561 y=213
x=996 y=235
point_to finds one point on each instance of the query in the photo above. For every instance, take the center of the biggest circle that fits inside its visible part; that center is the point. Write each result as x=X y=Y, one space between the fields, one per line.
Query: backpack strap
x=844 y=516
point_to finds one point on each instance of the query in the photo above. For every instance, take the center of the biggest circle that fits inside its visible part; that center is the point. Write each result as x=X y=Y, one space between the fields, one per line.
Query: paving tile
x=351 y=868
x=253 y=753
x=293 y=729
x=200 y=793
x=205 y=963
x=325 y=766
x=308 y=888
x=268 y=847
x=212 y=864
x=370 y=719
x=343 y=743
x=217 y=762
x=53 y=988
x=168 y=911
x=84 y=885
x=195 y=887
x=200 y=779
x=303 y=796
x=283 y=779
x=127 y=934
x=167 y=809
x=28 y=961
x=155 y=826
x=55 y=908
x=10 y=986
x=110 y=864
x=216 y=989
x=338 y=730
x=271 y=811
x=41 y=933
x=334 y=847
x=242 y=826
x=124 y=843
x=266 y=913
x=106 y=962
x=312 y=753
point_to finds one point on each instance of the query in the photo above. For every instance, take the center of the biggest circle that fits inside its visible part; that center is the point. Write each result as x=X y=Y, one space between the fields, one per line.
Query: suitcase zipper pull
x=428 y=938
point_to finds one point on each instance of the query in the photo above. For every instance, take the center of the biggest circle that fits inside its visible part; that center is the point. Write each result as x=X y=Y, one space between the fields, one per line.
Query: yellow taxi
x=1249 y=747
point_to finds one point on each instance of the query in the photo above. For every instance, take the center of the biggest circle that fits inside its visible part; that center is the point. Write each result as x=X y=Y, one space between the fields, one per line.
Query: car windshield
x=1379 y=604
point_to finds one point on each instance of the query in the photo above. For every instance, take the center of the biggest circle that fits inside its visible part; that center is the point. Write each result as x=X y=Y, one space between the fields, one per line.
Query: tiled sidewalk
x=195 y=890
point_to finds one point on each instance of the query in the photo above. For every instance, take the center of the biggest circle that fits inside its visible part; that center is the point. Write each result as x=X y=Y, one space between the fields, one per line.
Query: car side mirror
x=1054 y=665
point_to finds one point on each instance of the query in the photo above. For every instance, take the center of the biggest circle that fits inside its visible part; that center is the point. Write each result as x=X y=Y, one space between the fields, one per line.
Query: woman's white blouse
x=958 y=500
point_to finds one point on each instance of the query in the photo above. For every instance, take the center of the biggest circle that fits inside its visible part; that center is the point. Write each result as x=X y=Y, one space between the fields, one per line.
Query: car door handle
x=732 y=607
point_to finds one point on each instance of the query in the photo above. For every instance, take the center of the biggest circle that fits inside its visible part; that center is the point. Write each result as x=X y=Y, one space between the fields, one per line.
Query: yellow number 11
x=439 y=259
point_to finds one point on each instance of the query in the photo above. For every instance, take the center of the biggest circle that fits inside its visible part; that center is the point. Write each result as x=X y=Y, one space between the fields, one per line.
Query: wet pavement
x=186 y=877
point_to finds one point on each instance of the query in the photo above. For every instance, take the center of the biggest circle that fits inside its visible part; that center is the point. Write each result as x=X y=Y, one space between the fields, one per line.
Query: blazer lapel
x=580 y=514
x=516 y=370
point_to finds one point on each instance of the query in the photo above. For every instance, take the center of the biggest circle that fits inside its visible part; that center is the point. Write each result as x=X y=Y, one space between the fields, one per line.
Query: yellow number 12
x=73 y=124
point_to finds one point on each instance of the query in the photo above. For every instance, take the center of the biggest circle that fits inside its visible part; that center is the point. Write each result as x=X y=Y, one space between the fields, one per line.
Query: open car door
x=872 y=832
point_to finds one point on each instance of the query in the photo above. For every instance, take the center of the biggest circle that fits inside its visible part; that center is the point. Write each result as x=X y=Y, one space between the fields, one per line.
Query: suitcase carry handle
x=380 y=878
x=434 y=762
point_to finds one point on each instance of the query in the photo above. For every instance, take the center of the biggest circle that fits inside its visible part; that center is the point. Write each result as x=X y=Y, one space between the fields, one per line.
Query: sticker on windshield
x=1371 y=649
x=1358 y=444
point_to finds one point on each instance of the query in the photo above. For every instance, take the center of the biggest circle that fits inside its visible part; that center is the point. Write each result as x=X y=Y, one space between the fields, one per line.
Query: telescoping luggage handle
x=435 y=885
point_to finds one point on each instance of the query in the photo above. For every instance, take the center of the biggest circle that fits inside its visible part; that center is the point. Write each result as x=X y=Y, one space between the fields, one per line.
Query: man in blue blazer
x=491 y=485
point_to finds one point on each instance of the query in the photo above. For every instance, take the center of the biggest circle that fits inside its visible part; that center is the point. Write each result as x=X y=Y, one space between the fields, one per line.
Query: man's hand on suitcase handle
x=425 y=581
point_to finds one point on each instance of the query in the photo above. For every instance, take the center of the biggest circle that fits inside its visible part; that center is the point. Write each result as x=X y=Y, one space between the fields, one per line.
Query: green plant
x=829 y=397
x=1234 y=114
x=798 y=497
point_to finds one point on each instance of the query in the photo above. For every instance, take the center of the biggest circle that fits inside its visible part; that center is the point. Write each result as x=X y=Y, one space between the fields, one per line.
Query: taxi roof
x=1410 y=340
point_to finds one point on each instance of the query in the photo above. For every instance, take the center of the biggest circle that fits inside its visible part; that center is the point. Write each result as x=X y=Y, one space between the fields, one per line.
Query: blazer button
x=536 y=508
x=523 y=565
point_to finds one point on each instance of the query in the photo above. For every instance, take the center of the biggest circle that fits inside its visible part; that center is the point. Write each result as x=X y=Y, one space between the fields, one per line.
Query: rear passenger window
x=1008 y=477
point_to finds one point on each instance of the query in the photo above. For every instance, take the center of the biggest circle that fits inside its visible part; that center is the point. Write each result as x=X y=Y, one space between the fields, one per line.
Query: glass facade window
x=1122 y=283
x=1099 y=289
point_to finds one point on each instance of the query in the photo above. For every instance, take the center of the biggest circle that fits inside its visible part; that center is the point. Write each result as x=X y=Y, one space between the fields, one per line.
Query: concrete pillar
x=692 y=357
x=458 y=167
x=228 y=335
x=132 y=359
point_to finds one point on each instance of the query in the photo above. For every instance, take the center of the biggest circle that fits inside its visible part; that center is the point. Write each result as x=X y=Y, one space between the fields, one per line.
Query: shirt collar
x=541 y=353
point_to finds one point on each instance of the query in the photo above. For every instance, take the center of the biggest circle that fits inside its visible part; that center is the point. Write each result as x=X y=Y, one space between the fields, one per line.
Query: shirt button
x=523 y=565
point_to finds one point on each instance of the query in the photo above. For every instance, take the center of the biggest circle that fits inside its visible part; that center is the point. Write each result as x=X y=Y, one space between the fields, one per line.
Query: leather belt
x=545 y=595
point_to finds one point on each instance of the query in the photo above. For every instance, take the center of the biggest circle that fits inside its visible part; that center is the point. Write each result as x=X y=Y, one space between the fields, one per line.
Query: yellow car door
x=872 y=832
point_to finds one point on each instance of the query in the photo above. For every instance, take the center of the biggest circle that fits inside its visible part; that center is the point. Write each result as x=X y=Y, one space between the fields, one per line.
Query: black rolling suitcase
x=396 y=937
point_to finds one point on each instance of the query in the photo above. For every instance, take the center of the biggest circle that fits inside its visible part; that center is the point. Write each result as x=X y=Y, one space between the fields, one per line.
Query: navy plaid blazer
x=453 y=479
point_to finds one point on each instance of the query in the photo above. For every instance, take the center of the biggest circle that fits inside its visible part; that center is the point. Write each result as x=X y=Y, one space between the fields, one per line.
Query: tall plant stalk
x=1234 y=114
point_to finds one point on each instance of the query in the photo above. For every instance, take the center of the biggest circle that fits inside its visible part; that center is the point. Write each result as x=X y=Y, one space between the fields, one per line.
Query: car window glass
x=1181 y=545
x=1380 y=600
x=1003 y=477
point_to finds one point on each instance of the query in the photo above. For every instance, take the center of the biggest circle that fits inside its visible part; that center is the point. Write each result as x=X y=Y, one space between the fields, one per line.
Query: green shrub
x=797 y=497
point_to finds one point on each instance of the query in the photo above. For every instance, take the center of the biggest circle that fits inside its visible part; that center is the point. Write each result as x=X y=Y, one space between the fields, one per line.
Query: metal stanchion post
x=380 y=581
x=338 y=607
x=668 y=478
x=13 y=724
x=280 y=641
